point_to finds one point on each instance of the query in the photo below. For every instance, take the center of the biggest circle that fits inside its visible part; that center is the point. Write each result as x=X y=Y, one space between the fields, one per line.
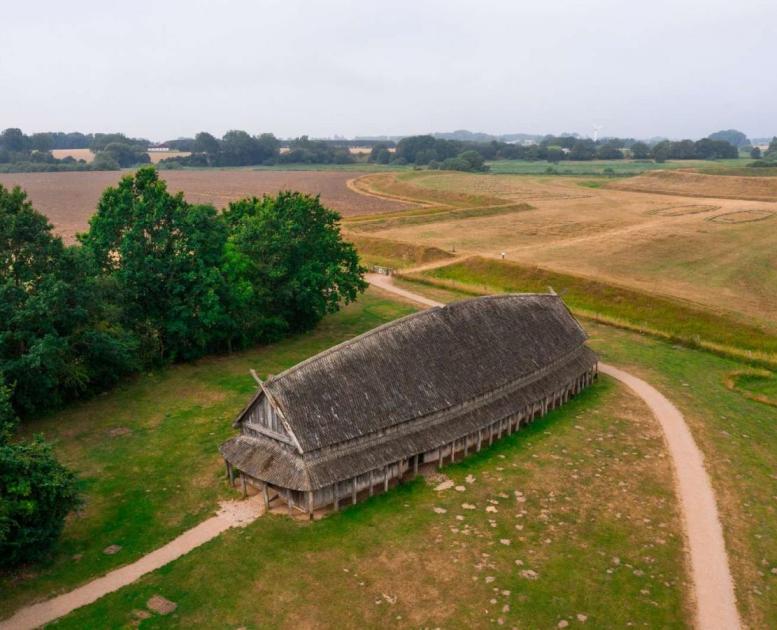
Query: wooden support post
x=466 y=445
x=310 y=504
x=453 y=451
x=266 y=495
x=416 y=457
x=230 y=475
x=243 y=479
x=289 y=502
x=480 y=438
x=372 y=483
x=353 y=491
x=335 y=499
x=491 y=435
x=439 y=460
x=385 y=479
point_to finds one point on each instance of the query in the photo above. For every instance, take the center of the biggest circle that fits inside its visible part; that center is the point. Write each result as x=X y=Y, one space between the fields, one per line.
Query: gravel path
x=231 y=514
x=713 y=587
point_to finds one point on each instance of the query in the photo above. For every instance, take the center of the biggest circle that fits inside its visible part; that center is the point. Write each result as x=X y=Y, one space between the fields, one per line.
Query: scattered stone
x=529 y=574
x=582 y=618
x=467 y=506
x=774 y=571
x=111 y=550
x=490 y=508
x=391 y=600
x=469 y=479
x=161 y=605
x=519 y=563
x=77 y=557
x=445 y=485
x=119 y=431
x=489 y=579
x=563 y=623
x=504 y=541
x=141 y=614
x=440 y=510
x=460 y=488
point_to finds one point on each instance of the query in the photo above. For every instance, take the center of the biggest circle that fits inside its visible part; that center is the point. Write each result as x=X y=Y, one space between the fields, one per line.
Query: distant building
x=430 y=387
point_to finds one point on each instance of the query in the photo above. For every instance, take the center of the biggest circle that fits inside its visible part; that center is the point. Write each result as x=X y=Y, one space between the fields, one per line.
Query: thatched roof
x=412 y=385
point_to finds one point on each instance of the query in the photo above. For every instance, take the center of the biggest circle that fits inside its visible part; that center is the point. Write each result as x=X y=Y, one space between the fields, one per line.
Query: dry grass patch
x=701 y=185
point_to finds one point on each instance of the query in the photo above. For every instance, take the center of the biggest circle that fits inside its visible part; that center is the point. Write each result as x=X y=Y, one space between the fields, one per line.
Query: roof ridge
x=347 y=342
x=396 y=322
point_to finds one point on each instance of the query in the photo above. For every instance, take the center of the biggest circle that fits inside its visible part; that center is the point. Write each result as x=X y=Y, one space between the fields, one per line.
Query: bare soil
x=69 y=199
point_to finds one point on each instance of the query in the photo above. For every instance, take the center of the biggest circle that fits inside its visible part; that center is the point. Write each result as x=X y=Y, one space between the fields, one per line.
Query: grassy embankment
x=627 y=308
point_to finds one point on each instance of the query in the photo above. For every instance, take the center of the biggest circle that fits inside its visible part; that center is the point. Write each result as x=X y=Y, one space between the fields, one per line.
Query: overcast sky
x=168 y=68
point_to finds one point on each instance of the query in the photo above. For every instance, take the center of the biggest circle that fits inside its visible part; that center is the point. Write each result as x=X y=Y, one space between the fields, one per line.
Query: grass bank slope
x=670 y=319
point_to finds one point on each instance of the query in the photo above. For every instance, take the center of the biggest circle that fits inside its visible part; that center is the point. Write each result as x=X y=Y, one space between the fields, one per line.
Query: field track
x=69 y=199
x=713 y=587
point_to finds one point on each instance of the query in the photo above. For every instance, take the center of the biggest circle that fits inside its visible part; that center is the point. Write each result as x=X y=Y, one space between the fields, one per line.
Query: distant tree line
x=32 y=153
x=154 y=280
x=435 y=152
x=239 y=148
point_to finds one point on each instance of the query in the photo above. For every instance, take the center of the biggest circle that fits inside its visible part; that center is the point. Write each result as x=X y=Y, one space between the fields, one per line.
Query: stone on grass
x=445 y=485
x=460 y=488
x=440 y=510
x=467 y=506
x=563 y=623
x=529 y=574
x=582 y=618
x=112 y=549
x=161 y=605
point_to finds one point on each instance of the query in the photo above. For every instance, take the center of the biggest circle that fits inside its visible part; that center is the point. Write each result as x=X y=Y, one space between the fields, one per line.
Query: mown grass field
x=590 y=482
x=416 y=557
x=737 y=435
x=611 y=168
x=720 y=254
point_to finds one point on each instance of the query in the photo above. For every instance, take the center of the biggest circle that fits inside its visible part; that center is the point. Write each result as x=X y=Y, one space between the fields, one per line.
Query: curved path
x=231 y=514
x=713 y=588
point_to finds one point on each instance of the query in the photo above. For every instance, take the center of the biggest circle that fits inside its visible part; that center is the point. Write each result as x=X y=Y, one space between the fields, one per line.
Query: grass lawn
x=612 y=168
x=147 y=452
x=571 y=519
x=737 y=435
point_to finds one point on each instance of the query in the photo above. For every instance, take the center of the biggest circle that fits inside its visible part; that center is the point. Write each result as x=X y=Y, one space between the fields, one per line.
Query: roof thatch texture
x=412 y=385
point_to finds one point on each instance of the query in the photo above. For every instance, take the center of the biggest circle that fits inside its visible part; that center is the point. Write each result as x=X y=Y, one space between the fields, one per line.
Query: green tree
x=56 y=340
x=208 y=144
x=640 y=151
x=755 y=153
x=164 y=256
x=474 y=159
x=583 y=150
x=287 y=264
x=36 y=494
x=732 y=136
x=771 y=152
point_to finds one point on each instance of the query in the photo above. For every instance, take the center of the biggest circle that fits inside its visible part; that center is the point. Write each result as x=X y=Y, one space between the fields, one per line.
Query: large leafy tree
x=36 y=493
x=287 y=264
x=56 y=339
x=164 y=257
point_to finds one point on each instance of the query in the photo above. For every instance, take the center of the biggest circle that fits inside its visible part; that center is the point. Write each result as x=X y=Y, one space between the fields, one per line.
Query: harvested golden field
x=158 y=156
x=77 y=154
x=701 y=185
x=69 y=199
x=719 y=253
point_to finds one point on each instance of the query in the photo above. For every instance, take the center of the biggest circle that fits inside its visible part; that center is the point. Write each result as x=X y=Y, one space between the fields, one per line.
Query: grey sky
x=166 y=68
